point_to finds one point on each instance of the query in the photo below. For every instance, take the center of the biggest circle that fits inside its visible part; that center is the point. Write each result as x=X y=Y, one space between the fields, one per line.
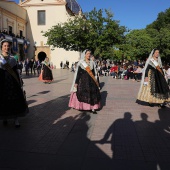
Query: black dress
x=87 y=90
x=157 y=90
x=159 y=86
x=12 y=99
x=47 y=73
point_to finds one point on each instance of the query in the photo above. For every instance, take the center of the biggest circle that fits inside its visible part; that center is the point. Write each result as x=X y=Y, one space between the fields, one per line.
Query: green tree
x=159 y=30
x=138 y=44
x=96 y=31
x=162 y=21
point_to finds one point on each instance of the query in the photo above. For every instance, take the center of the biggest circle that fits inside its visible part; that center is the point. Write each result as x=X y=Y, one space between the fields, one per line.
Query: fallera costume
x=156 y=90
x=46 y=74
x=12 y=99
x=87 y=94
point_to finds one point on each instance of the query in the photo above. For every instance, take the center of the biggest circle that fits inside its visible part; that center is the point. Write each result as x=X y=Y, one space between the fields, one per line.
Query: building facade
x=22 y=24
x=41 y=16
x=13 y=26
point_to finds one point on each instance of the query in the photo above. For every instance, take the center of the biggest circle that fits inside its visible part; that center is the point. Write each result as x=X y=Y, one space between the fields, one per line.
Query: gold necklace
x=88 y=62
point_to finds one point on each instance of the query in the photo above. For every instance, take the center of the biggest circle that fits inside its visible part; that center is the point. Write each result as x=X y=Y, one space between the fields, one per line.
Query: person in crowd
x=73 y=67
x=38 y=64
x=130 y=72
x=135 y=63
x=20 y=66
x=154 y=88
x=12 y=101
x=124 y=73
x=85 y=93
x=114 y=71
x=61 y=64
x=138 y=73
x=120 y=71
x=31 y=63
x=99 y=69
x=27 y=66
x=67 y=64
x=51 y=65
x=46 y=74
x=105 y=70
x=34 y=66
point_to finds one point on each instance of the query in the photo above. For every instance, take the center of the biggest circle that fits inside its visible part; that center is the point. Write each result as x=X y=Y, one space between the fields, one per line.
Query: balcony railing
x=20 y=40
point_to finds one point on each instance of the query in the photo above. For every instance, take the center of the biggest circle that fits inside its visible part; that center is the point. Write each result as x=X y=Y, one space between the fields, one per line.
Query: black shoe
x=94 y=112
x=5 y=122
x=162 y=105
x=17 y=126
x=151 y=105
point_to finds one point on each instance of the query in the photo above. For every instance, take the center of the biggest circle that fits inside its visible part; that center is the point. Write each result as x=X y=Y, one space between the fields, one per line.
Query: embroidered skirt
x=74 y=103
x=147 y=93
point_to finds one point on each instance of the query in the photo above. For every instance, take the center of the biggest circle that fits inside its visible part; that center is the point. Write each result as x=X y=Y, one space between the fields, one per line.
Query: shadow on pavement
x=57 y=81
x=52 y=136
x=140 y=145
x=31 y=101
x=103 y=98
x=44 y=92
x=102 y=85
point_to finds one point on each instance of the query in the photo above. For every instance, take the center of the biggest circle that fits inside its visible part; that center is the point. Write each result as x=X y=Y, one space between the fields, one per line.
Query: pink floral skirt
x=74 y=103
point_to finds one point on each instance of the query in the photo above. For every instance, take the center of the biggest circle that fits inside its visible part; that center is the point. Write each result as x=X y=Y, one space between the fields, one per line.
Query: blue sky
x=134 y=14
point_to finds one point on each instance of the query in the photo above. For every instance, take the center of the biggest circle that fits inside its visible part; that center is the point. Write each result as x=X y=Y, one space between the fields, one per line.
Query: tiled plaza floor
x=122 y=136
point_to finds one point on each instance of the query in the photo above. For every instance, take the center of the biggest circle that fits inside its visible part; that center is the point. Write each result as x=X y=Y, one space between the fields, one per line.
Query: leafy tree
x=159 y=30
x=162 y=21
x=137 y=45
x=96 y=31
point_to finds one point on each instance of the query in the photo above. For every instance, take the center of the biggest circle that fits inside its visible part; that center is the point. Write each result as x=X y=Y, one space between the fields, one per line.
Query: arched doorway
x=41 y=56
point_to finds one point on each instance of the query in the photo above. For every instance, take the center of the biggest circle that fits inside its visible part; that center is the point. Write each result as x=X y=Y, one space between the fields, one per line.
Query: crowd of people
x=126 y=70
x=31 y=66
x=12 y=34
x=121 y=70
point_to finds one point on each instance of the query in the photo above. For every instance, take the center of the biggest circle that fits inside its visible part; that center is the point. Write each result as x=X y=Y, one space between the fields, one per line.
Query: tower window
x=41 y=17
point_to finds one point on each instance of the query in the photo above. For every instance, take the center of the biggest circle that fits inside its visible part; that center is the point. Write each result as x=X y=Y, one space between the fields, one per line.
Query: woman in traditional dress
x=12 y=98
x=85 y=93
x=46 y=75
x=154 y=88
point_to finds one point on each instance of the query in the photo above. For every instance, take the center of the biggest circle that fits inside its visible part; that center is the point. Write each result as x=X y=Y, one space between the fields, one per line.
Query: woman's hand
x=75 y=85
x=75 y=88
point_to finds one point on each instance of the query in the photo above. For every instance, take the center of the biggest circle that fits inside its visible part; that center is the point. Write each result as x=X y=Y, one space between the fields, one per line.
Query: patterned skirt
x=74 y=103
x=146 y=96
